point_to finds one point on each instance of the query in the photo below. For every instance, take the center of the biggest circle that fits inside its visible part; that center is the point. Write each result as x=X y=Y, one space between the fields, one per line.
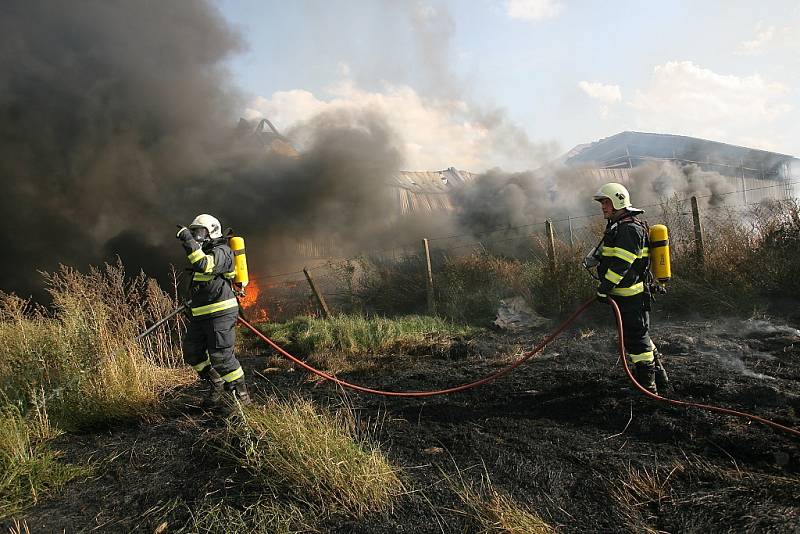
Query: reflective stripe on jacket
x=625 y=258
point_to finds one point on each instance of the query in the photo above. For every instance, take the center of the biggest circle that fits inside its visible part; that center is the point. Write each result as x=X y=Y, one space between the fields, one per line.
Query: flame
x=250 y=297
x=250 y=302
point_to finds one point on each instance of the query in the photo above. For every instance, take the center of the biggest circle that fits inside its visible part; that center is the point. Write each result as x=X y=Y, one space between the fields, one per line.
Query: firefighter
x=623 y=271
x=213 y=310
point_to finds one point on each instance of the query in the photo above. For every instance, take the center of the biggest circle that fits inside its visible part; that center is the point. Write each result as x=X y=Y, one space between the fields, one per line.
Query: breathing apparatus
x=241 y=279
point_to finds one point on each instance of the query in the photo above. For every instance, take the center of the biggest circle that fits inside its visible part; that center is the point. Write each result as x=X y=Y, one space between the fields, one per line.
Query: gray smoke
x=433 y=31
x=656 y=182
x=498 y=199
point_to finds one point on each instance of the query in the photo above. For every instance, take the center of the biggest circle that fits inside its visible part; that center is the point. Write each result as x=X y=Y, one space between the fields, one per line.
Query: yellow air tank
x=240 y=260
x=659 y=253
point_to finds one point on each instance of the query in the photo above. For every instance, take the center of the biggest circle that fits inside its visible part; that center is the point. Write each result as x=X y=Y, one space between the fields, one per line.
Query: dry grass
x=315 y=456
x=76 y=366
x=264 y=517
x=641 y=491
x=84 y=355
x=494 y=512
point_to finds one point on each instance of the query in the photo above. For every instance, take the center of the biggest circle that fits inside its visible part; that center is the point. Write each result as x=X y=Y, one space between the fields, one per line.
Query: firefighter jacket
x=625 y=258
x=212 y=266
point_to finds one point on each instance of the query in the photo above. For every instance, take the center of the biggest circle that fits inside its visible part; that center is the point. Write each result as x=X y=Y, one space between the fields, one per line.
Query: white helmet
x=208 y=222
x=616 y=193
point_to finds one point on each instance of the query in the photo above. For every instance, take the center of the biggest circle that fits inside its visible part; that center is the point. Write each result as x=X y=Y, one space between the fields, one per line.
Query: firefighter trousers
x=209 y=342
x=636 y=327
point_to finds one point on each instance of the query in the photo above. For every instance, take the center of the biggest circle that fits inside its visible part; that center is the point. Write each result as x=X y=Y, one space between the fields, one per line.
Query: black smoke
x=116 y=124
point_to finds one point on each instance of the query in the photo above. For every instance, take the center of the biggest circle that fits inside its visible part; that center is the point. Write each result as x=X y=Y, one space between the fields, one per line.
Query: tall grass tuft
x=75 y=366
x=315 y=456
x=83 y=354
x=29 y=469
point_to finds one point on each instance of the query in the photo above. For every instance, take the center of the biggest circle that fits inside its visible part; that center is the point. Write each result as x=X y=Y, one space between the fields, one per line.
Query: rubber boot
x=238 y=390
x=662 y=380
x=645 y=375
x=214 y=385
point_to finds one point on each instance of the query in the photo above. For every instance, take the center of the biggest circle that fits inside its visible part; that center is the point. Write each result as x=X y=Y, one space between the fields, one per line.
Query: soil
x=564 y=436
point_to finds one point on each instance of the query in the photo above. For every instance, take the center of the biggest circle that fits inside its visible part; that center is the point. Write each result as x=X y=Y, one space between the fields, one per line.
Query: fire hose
x=522 y=359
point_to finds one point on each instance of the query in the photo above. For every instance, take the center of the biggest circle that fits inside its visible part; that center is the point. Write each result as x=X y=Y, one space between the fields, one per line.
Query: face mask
x=199 y=234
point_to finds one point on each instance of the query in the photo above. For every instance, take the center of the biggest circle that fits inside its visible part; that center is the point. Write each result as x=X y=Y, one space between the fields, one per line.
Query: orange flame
x=250 y=297
x=250 y=302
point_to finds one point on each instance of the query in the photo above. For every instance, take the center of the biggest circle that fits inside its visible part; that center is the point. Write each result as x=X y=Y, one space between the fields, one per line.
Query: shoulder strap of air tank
x=633 y=219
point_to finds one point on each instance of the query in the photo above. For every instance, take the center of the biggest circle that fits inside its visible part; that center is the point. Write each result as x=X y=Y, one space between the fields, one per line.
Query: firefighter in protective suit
x=623 y=269
x=213 y=310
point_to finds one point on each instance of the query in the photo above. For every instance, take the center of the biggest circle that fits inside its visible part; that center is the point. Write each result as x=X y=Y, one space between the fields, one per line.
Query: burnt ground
x=563 y=435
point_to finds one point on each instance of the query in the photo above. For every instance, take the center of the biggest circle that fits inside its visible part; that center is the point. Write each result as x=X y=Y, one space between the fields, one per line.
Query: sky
x=514 y=83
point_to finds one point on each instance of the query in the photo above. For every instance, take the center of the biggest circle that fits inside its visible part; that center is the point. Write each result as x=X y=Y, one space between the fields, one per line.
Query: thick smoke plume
x=116 y=124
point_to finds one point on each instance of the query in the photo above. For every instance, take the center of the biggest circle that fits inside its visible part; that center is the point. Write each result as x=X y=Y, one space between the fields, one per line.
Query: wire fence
x=288 y=293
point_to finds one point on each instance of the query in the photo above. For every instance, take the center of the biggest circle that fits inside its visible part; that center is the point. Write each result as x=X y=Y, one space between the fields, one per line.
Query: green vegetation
x=354 y=334
x=314 y=456
x=29 y=469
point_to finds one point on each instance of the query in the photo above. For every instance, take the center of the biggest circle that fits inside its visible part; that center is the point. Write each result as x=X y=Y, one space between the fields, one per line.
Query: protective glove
x=592 y=259
x=602 y=298
x=184 y=234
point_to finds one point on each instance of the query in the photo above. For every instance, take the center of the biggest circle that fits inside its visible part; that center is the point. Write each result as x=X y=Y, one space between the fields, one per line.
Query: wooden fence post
x=429 y=277
x=744 y=185
x=698 y=231
x=571 y=236
x=551 y=245
x=320 y=299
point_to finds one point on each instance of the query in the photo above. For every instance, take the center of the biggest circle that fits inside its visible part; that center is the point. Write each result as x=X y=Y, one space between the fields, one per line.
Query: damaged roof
x=427 y=191
x=630 y=149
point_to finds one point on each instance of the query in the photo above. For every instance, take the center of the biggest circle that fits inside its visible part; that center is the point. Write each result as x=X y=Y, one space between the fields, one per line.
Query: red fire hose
x=525 y=357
